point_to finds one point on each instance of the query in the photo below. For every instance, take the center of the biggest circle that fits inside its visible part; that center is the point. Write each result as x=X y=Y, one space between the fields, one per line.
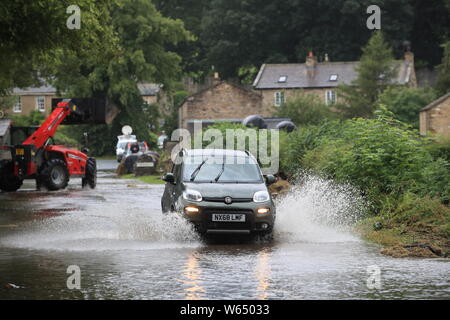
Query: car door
x=170 y=191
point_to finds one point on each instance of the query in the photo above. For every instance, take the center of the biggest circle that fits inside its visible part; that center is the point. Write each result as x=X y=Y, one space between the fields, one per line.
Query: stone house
x=40 y=98
x=222 y=101
x=30 y=99
x=149 y=92
x=279 y=82
x=435 y=117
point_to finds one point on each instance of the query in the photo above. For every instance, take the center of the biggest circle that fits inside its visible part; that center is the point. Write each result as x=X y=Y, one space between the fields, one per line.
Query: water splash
x=318 y=210
x=129 y=230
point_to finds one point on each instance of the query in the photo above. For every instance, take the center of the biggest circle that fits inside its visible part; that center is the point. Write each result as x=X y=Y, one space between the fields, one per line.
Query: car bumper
x=254 y=222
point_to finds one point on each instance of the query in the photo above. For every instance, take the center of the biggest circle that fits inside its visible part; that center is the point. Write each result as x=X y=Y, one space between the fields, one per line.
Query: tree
x=431 y=27
x=376 y=71
x=443 y=82
x=405 y=103
x=32 y=33
x=306 y=109
x=143 y=36
x=191 y=13
x=239 y=33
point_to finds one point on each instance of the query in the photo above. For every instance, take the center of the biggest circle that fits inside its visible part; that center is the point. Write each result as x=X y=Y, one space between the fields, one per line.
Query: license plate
x=228 y=217
x=20 y=152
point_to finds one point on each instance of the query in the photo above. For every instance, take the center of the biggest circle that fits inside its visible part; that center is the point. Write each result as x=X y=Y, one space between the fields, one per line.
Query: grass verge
x=146 y=179
x=416 y=227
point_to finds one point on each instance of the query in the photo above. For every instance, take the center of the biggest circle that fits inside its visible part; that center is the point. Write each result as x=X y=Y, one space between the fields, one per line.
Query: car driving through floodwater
x=220 y=192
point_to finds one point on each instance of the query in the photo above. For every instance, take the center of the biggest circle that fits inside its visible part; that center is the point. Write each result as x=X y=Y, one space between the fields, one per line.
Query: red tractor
x=53 y=165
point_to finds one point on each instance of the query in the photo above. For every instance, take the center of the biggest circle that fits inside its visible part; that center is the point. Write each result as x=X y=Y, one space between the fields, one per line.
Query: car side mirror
x=270 y=179
x=169 y=177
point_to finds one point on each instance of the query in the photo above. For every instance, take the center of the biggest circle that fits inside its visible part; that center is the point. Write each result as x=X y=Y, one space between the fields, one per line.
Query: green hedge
x=382 y=156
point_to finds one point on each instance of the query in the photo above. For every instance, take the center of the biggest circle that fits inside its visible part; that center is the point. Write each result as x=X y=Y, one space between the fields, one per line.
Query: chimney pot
x=311 y=62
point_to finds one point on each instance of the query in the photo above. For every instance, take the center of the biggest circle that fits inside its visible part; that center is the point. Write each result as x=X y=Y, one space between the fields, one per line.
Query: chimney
x=409 y=56
x=311 y=62
x=216 y=78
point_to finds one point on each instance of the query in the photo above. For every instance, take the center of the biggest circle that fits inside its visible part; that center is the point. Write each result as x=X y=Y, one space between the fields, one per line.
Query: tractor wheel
x=54 y=174
x=90 y=178
x=8 y=181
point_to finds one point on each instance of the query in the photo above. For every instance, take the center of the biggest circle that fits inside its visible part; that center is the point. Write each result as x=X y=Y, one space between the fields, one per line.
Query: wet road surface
x=126 y=249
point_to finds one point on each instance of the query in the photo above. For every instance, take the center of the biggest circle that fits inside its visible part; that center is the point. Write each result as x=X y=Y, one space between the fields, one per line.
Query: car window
x=229 y=169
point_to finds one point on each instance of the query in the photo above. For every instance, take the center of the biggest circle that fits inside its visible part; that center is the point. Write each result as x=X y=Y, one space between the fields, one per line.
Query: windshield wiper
x=197 y=170
x=221 y=171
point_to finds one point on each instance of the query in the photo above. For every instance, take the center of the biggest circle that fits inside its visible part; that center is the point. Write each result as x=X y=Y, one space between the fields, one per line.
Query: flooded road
x=126 y=249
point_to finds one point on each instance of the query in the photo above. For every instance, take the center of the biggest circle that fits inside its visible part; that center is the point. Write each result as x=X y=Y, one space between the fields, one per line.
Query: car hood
x=234 y=190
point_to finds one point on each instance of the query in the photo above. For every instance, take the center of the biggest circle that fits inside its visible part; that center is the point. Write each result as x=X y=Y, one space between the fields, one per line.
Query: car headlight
x=261 y=196
x=192 y=195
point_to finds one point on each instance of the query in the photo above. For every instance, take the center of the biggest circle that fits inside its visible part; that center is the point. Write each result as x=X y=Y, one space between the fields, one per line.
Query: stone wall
x=222 y=101
x=437 y=119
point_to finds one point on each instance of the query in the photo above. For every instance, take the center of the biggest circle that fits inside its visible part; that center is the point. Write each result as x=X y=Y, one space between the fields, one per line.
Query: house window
x=279 y=98
x=282 y=79
x=17 y=105
x=330 y=97
x=40 y=103
x=333 y=77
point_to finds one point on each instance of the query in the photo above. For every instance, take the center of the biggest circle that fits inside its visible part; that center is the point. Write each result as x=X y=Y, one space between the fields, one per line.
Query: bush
x=440 y=148
x=306 y=109
x=381 y=156
x=406 y=103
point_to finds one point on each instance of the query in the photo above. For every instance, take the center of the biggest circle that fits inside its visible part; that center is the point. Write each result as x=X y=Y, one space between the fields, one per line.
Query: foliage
x=406 y=103
x=439 y=148
x=376 y=71
x=247 y=74
x=408 y=221
x=443 y=82
x=305 y=109
x=33 y=32
x=35 y=118
x=171 y=119
x=191 y=13
x=382 y=156
x=141 y=56
x=238 y=33
x=6 y=103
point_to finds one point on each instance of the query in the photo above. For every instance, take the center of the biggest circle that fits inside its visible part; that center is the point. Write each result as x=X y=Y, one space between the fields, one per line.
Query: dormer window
x=333 y=77
x=282 y=79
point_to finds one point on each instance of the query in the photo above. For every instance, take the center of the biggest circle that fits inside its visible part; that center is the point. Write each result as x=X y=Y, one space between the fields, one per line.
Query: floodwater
x=126 y=249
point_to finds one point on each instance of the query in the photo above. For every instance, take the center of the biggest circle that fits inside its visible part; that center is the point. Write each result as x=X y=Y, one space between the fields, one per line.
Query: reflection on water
x=262 y=273
x=192 y=274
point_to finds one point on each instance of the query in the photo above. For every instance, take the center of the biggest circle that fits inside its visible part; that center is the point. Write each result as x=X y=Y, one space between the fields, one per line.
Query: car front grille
x=222 y=199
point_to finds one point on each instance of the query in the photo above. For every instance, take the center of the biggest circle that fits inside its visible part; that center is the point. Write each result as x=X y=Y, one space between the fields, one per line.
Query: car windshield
x=228 y=169
x=122 y=145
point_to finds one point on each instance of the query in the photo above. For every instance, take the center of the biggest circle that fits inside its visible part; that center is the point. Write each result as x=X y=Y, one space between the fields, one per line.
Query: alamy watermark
x=262 y=144
x=74 y=280
x=374 y=20
x=373 y=282
x=74 y=20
